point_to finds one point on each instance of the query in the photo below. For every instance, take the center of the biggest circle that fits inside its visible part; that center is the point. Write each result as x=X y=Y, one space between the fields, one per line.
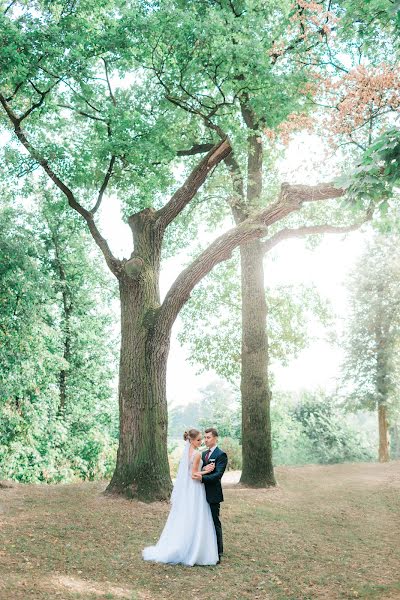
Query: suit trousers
x=215 y=506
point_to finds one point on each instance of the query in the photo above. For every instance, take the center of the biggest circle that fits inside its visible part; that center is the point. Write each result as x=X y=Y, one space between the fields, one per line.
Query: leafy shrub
x=234 y=451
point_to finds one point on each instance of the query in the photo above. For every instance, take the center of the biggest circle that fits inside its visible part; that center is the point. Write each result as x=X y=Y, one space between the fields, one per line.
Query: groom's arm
x=220 y=466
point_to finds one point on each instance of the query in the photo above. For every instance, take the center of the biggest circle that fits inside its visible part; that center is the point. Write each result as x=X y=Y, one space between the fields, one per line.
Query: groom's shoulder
x=221 y=452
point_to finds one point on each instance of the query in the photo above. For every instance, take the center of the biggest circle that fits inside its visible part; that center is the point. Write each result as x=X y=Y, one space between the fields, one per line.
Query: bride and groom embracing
x=192 y=534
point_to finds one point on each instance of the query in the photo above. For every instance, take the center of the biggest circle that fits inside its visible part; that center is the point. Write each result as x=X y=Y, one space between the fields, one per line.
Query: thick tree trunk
x=257 y=470
x=383 y=425
x=256 y=425
x=142 y=469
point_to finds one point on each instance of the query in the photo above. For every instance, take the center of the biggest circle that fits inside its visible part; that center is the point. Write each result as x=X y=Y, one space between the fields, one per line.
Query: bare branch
x=192 y=184
x=83 y=113
x=301 y=232
x=40 y=101
x=290 y=199
x=17 y=87
x=78 y=94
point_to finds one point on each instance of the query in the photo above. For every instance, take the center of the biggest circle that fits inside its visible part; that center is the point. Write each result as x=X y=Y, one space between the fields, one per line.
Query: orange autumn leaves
x=363 y=95
x=346 y=101
x=307 y=20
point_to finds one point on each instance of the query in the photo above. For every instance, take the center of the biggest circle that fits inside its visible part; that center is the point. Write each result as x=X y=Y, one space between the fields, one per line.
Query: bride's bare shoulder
x=196 y=456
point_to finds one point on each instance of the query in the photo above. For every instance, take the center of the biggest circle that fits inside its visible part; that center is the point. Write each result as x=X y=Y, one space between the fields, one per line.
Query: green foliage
x=289 y=444
x=312 y=428
x=43 y=262
x=215 y=308
x=233 y=449
x=331 y=439
x=378 y=174
x=97 y=101
x=218 y=407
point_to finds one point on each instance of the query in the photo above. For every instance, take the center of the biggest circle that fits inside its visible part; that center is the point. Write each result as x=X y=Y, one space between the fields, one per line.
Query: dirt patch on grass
x=325 y=532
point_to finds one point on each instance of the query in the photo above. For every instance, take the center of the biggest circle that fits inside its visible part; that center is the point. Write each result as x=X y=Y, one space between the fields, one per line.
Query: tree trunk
x=383 y=433
x=382 y=389
x=65 y=320
x=142 y=469
x=66 y=328
x=256 y=425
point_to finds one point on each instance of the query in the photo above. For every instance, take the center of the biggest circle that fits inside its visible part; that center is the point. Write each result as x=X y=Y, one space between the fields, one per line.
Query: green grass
x=324 y=533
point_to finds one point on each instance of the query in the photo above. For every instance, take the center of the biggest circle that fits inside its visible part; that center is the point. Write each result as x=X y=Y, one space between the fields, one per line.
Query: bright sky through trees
x=291 y=262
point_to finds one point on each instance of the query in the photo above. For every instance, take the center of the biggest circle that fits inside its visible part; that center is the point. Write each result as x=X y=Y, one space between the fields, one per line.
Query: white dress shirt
x=211 y=450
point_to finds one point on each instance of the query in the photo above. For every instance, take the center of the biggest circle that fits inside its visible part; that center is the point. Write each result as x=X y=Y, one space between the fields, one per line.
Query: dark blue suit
x=214 y=495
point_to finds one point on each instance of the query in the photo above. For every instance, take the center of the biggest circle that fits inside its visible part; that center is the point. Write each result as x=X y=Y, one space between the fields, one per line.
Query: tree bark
x=142 y=469
x=257 y=468
x=383 y=425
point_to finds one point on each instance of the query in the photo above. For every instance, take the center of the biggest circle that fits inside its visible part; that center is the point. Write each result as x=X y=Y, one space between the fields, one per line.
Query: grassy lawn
x=325 y=532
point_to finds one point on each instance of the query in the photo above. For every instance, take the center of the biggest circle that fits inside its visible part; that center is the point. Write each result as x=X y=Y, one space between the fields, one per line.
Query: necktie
x=207 y=456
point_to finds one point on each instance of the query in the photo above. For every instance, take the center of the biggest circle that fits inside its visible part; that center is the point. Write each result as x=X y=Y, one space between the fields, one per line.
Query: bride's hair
x=191 y=433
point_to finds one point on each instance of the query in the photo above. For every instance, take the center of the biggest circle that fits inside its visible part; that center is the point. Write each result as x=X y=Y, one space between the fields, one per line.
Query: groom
x=212 y=480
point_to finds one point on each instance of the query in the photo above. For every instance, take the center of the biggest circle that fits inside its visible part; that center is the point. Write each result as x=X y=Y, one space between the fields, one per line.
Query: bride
x=189 y=535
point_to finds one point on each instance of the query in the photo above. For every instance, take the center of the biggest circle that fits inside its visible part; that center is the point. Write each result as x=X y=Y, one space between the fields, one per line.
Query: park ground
x=325 y=532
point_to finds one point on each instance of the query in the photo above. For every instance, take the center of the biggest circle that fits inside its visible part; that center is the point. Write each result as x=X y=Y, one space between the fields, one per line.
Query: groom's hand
x=209 y=468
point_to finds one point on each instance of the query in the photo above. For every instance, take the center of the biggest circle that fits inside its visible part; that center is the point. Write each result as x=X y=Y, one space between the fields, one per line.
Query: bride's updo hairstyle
x=191 y=434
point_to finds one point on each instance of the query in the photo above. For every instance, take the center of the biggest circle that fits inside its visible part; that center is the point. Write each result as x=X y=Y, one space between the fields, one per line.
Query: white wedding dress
x=189 y=535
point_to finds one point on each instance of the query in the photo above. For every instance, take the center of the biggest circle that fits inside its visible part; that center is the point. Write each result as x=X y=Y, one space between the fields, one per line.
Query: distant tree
x=218 y=407
x=57 y=418
x=372 y=366
x=330 y=438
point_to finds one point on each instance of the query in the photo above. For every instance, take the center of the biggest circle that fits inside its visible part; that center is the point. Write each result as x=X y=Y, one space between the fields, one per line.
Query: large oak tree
x=78 y=97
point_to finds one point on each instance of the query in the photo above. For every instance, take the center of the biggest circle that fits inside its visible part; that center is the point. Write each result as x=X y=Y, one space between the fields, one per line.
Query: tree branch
x=290 y=199
x=301 y=232
x=196 y=149
x=104 y=185
x=113 y=263
x=192 y=184
x=83 y=113
x=108 y=82
x=40 y=101
x=9 y=6
x=237 y=203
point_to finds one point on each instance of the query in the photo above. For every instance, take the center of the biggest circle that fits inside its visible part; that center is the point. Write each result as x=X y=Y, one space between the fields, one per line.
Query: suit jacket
x=212 y=481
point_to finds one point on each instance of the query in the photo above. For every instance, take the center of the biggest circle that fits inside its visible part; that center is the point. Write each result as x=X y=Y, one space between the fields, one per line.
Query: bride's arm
x=196 y=463
x=195 y=470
